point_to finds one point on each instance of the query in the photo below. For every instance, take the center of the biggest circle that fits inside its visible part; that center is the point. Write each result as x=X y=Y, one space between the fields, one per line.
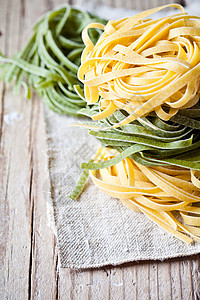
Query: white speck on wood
x=12 y=117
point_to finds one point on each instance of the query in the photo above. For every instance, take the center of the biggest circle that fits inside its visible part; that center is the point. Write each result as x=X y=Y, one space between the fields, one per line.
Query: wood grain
x=29 y=259
x=135 y=4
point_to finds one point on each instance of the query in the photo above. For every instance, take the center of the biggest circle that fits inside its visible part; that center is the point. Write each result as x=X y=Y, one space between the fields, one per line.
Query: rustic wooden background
x=29 y=264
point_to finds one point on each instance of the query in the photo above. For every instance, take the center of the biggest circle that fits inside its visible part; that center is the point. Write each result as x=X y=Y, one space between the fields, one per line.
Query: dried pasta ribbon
x=143 y=65
x=163 y=194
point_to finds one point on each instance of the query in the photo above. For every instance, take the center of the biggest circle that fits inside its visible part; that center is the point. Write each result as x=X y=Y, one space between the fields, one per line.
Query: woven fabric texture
x=97 y=230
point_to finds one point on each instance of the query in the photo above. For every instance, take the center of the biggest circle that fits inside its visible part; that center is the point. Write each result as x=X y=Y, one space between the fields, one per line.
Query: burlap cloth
x=97 y=230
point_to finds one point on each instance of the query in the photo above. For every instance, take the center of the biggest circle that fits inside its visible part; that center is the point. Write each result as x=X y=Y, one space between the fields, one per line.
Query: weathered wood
x=100 y=284
x=142 y=273
x=164 y=282
x=4 y=214
x=81 y=284
x=15 y=152
x=28 y=242
x=44 y=253
x=29 y=259
x=65 y=284
x=130 y=282
x=137 y=4
x=153 y=281
x=116 y=289
x=196 y=277
x=186 y=279
x=176 y=281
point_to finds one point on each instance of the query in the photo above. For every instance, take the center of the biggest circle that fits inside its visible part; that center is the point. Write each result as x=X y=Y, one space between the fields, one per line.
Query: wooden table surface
x=29 y=263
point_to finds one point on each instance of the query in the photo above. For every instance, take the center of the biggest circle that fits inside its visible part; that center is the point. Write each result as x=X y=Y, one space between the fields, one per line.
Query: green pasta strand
x=49 y=62
x=80 y=185
x=151 y=141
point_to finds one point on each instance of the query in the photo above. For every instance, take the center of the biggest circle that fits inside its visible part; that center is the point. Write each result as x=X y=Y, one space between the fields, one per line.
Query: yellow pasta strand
x=143 y=65
x=160 y=193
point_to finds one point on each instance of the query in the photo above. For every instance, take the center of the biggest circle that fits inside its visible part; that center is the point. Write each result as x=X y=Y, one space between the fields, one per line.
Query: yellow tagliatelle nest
x=142 y=65
x=162 y=194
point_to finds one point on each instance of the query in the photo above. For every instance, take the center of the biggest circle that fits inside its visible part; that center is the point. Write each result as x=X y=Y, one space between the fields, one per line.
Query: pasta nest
x=143 y=65
x=167 y=195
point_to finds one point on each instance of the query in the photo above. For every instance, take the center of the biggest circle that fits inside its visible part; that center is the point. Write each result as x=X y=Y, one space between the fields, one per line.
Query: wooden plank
x=142 y=281
x=16 y=255
x=100 y=284
x=135 y=4
x=186 y=279
x=43 y=281
x=43 y=256
x=175 y=280
x=153 y=281
x=164 y=281
x=195 y=268
x=65 y=284
x=29 y=257
x=116 y=289
x=130 y=282
x=81 y=281
x=4 y=170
